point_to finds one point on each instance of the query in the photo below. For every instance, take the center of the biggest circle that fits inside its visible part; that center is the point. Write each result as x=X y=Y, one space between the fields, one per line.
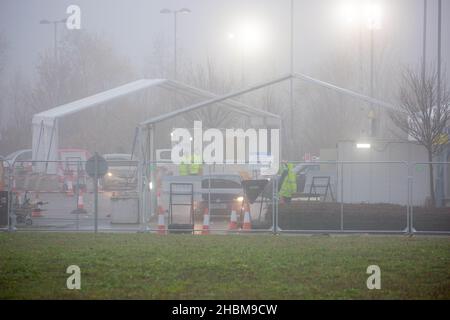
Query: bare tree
x=209 y=78
x=87 y=64
x=205 y=76
x=16 y=131
x=422 y=118
x=3 y=107
x=324 y=117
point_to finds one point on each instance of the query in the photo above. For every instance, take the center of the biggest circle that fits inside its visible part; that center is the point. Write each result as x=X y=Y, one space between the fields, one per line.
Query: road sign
x=102 y=166
x=441 y=139
x=96 y=167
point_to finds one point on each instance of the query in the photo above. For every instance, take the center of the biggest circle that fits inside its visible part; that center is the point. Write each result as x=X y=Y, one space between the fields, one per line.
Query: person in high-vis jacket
x=188 y=167
x=196 y=166
x=183 y=168
x=288 y=182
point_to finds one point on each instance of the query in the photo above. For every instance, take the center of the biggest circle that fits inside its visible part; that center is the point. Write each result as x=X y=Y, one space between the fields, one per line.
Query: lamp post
x=424 y=40
x=291 y=80
x=371 y=15
x=373 y=23
x=240 y=52
x=175 y=15
x=439 y=53
x=55 y=35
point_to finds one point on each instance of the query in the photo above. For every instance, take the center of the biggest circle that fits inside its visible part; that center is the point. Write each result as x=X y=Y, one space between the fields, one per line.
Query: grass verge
x=145 y=266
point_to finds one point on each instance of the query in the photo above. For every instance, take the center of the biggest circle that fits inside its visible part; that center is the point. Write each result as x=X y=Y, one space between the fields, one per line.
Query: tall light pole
x=291 y=83
x=248 y=38
x=240 y=52
x=439 y=53
x=374 y=23
x=369 y=13
x=55 y=35
x=175 y=14
x=424 y=40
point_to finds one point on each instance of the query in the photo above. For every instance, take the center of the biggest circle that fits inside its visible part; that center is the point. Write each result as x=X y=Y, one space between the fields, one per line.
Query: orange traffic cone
x=233 y=221
x=80 y=204
x=161 y=223
x=36 y=211
x=19 y=198
x=247 y=226
x=205 y=229
x=69 y=192
x=13 y=188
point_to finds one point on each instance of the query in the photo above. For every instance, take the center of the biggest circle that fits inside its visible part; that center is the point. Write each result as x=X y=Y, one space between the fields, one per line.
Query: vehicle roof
x=121 y=156
x=222 y=175
x=13 y=155
x=72 y=150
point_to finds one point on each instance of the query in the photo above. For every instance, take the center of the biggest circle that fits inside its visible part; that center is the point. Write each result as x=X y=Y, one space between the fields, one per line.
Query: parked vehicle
x=72 y=167
x=222 y=193
x=21 y=159
x=121 y=171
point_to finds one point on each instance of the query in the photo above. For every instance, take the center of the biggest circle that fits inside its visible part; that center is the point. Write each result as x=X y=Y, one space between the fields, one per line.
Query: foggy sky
x=131 y=25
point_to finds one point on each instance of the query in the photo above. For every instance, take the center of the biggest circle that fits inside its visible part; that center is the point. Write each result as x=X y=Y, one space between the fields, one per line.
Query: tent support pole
x=50 y=144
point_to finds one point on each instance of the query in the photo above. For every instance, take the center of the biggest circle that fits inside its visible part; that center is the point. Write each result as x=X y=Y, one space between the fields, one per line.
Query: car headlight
x=109 y=174
x=240 y=199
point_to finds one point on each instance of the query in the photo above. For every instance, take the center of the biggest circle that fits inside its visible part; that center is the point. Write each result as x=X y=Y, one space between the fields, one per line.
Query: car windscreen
x=26 y=156
x=221 y=183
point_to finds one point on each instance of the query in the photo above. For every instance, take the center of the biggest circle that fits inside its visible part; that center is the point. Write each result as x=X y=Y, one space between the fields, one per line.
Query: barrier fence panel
x=347 y=197
x=65 y=199
x=118 y=200
x=426 y=216
x=42 y=201
x=329 y=197
x=314 y=205
x=211 y=199
x=374 y=196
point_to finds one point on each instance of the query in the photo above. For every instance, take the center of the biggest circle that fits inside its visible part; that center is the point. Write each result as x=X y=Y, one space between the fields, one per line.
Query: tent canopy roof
x=225 y=99
x=49 y=116
x=96 y=99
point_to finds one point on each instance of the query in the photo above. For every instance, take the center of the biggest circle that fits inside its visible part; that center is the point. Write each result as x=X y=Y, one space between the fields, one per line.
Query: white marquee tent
x=45 y=141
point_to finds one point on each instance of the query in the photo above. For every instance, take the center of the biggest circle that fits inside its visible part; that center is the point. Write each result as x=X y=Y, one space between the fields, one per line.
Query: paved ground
x=58 y=215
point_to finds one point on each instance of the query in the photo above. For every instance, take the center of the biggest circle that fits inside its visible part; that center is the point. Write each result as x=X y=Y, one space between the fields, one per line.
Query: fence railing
x=331 y=197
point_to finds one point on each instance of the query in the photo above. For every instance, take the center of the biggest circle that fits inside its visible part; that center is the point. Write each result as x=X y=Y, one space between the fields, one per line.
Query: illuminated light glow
x=348 y=13
x=363 y=145
x=240 y=199
x=231 y=35
x=109 y=174
x=150 y=185
x=373 y=16
x=250 y=35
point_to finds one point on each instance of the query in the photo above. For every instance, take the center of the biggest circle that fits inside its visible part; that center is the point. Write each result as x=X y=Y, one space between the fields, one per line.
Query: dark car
x=222 y=193
x=121 y=172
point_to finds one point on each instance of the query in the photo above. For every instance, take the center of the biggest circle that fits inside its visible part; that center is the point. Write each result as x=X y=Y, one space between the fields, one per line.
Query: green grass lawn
x=33 y=265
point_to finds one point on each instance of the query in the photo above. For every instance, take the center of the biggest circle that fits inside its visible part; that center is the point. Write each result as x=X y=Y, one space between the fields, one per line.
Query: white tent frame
x=45 y=141
x=146 y=129
x=46 y=130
